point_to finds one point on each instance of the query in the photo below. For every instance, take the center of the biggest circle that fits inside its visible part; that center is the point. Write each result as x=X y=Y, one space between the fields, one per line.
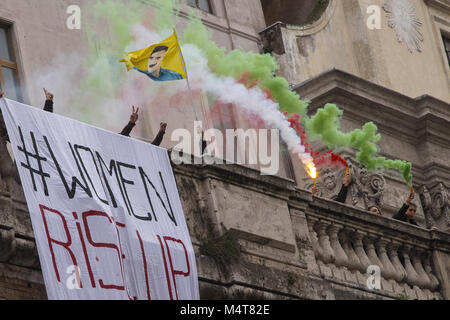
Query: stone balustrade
x=291 y=244
x=347 y=241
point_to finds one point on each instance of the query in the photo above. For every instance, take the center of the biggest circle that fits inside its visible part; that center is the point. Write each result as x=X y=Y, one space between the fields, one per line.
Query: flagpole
x=187 y=78
x=197 y=149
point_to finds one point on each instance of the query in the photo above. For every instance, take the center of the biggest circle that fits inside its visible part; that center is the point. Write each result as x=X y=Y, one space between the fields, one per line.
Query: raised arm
x=48 y=101
x=344 y=190
x=161 y=133
x=401 y=214
x=129 y=127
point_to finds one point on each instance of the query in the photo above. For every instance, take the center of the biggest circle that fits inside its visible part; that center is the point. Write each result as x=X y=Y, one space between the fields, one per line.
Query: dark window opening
x=203 y=5
x=297 y=12
x=447 y=47
x=9 y=81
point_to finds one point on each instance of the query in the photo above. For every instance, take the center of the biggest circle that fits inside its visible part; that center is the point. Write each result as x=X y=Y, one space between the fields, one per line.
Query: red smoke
x=319 y=158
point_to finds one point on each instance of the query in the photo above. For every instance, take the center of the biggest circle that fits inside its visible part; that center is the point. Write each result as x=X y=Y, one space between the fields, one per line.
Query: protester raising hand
x=48 y=101
x=407 y=211
x=159 y=137
x=314 y=190
x=48 y=96
x=134 y=115
x=342 y=196
x=347 y=178
x=133 y=119
x=410 y=198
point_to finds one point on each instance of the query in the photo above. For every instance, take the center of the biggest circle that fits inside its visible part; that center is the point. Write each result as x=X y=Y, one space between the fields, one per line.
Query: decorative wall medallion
x=401 y=15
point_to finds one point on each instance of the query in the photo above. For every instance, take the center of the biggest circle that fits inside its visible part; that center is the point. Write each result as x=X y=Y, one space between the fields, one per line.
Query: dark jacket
x=342 y=194
x=48 y=106
x=129 y=127
x=401 y=215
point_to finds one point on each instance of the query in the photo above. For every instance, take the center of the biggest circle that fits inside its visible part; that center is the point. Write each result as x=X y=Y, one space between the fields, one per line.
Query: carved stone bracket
x=366 y=187
x=329 y=182
x=272 y=39
x=17 y=251
x=436 y=205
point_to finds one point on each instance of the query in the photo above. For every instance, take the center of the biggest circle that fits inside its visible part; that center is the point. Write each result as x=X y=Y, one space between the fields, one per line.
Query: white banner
x=105 y=210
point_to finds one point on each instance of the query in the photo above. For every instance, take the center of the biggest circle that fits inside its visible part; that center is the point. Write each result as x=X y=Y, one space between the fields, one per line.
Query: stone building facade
x=267 y=237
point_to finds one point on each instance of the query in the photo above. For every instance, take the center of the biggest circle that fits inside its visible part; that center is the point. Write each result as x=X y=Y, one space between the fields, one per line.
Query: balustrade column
x=400 y=272
x=371 y=253
x=353 y=261
x=341 y=259
x=324 y=241
x=388 y=268
x=412 y=278
x=358 y=237
x=315 y=241
x=424 y=280
x=429 y=270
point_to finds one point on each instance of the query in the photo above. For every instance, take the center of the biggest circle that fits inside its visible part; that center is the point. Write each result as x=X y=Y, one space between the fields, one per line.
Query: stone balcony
x=294 y=245
x=345 y=241
x=261 y=237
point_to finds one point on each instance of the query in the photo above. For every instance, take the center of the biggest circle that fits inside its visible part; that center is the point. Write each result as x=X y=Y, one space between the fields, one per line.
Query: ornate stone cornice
x=442 y=5
x=397 y=113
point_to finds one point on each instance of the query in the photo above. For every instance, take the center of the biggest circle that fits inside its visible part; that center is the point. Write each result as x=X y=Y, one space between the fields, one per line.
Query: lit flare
x=312 y=171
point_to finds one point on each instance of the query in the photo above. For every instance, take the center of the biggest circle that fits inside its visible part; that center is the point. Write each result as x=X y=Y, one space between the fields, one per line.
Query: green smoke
x=106 y=75
x=260 y=67
x=325 y=124
x=106 y=27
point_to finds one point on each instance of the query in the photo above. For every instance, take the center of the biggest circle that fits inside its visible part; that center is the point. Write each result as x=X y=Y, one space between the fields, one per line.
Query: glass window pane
x=5 y=50
x=11 y=84
x=204 y=5
x=192 y=3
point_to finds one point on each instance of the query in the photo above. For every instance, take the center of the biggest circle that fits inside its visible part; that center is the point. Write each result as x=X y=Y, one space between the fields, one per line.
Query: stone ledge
x=337 y=83
x=343 y=211
x=18 y=250
x=264 y=240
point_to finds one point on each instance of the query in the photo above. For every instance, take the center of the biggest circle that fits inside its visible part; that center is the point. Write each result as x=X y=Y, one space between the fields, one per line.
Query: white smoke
x=253 y=100
x=111 y=112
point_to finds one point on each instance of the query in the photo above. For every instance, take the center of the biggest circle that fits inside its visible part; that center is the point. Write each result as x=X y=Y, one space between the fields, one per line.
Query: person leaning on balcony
x=344 y=189
x=342 y=193
x=407 y=211
x=133 y=119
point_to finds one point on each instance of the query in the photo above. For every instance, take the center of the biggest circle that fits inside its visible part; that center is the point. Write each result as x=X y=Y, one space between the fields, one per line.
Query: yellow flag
x=161 y=62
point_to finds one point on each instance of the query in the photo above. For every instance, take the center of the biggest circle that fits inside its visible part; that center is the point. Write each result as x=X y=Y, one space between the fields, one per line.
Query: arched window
x=298 y=12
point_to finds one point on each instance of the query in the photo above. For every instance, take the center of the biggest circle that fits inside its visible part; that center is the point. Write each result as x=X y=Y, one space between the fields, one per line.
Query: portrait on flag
x=160 y=62
x=105 y=210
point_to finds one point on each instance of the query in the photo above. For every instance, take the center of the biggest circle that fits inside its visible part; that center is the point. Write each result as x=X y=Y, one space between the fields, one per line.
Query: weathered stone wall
x=300 y=246
x=260 y=237
x=341 y=39
x=415 y=130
